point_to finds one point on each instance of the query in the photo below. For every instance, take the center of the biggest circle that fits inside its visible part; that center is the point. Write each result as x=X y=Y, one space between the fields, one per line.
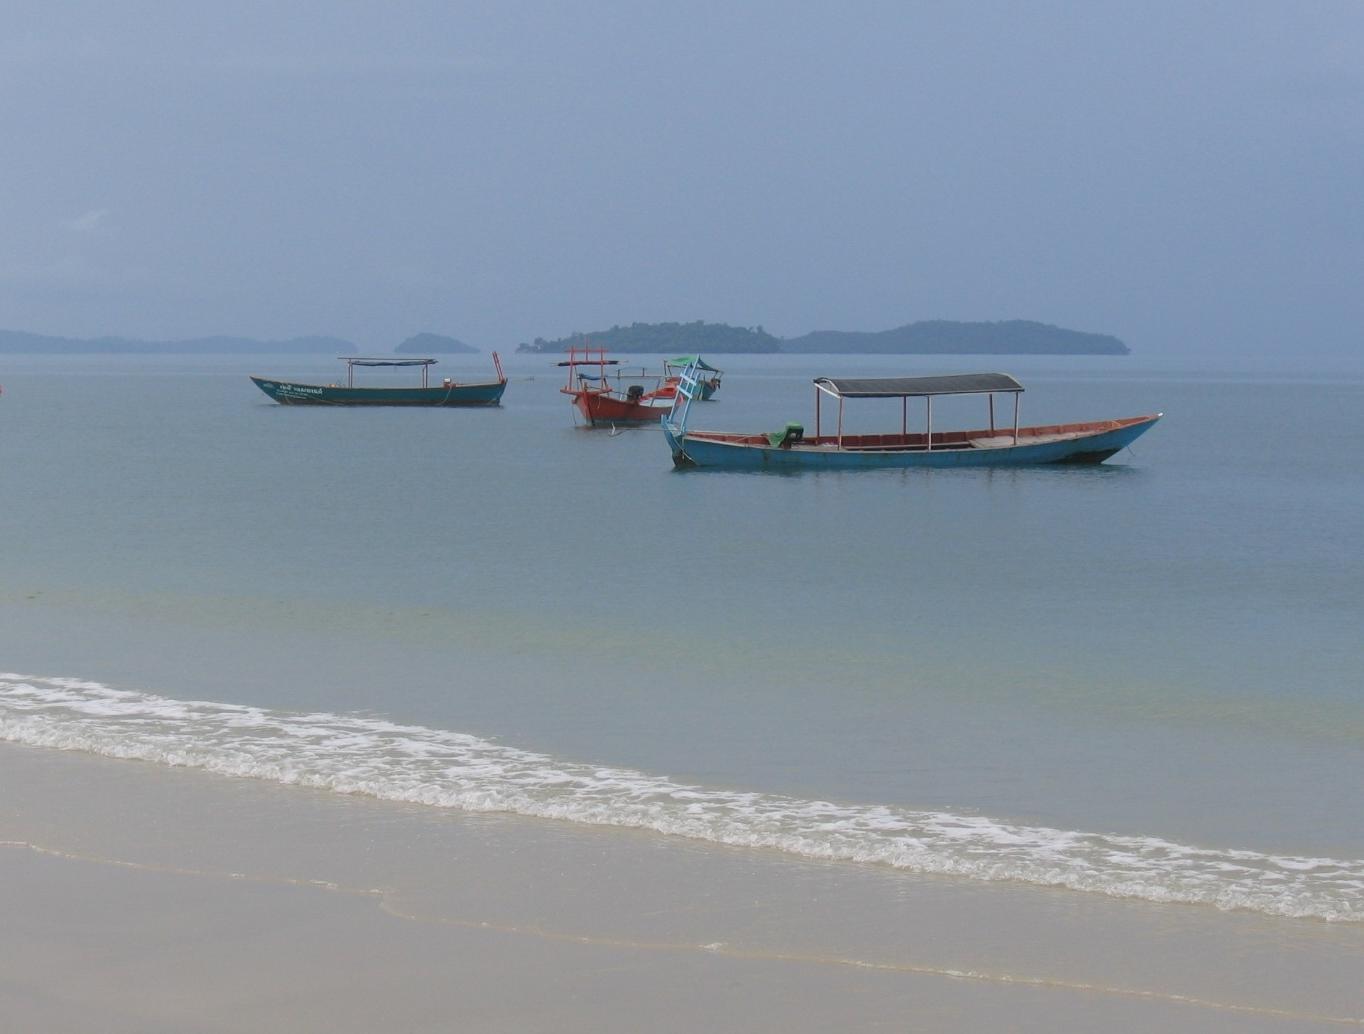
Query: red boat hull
x=602 y=407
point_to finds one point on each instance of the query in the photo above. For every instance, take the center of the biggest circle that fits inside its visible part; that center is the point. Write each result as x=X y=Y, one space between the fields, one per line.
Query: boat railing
x=352 y=361
x=926 y=388
x=584 y=355
x=689 y=389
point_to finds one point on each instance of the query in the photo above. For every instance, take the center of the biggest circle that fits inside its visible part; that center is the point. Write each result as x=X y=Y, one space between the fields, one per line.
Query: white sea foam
x=363 y=755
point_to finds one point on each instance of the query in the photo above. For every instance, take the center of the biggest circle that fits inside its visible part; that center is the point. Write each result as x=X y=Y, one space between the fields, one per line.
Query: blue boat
x=995 y=445
x=447 y=393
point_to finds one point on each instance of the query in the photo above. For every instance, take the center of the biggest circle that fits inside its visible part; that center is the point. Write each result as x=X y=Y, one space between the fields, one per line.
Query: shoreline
x=402 y=763
x=506 y=907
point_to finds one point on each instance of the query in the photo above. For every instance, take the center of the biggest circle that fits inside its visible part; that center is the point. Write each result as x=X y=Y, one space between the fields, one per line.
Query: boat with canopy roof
x=994 y=445
x=447 y=393
x=672 y=373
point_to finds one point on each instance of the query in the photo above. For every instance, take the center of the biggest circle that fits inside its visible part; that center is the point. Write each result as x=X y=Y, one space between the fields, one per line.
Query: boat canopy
x=693 y=360
x=360 y=360
x=907 y=387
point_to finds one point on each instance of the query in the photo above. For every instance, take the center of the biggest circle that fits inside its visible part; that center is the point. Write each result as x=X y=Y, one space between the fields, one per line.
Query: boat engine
x=634 y=392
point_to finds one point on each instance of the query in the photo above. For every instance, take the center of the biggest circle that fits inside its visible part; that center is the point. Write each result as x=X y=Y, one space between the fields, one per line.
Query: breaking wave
x=356 y=754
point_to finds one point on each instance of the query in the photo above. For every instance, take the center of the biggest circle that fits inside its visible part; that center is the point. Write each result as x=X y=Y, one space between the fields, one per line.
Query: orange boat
x=602 y=403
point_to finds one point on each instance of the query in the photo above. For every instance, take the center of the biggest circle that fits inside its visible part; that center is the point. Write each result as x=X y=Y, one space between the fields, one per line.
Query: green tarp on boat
x=688 y=360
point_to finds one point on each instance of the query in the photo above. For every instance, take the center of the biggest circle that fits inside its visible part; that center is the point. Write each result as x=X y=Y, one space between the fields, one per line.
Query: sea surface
x=1142 y=680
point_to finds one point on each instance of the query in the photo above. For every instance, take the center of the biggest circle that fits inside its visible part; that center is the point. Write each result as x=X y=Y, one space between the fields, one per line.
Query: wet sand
x=144 y=898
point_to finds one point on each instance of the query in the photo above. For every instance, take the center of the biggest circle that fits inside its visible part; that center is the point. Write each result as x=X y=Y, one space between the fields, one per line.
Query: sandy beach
x=141 y=898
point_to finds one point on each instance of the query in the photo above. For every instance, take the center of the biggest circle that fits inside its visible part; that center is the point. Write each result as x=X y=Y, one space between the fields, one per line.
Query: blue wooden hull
x=700 y=449
x=288 y=393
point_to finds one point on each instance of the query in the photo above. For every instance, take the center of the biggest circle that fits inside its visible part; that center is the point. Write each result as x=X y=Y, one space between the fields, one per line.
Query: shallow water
x=1162 y=650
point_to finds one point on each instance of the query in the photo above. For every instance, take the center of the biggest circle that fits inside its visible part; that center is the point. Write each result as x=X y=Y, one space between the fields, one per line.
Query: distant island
x=664 y=339
x=928 y=337
x=433 y=344
x=43 y=344
x=21 y=341
x=948 y=337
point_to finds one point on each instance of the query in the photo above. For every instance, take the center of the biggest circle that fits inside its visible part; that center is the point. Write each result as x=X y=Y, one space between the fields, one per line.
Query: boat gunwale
x=430 y=389
x=953 y=441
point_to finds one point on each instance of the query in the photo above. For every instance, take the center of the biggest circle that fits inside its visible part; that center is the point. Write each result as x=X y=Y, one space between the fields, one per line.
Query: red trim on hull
x=941 y=439
x=602 y=407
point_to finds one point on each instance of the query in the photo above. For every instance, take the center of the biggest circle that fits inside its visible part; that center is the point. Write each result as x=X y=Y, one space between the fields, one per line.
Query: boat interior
x=999 y=438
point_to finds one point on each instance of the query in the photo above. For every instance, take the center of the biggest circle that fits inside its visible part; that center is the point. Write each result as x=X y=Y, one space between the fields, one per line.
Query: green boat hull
x=289 y=393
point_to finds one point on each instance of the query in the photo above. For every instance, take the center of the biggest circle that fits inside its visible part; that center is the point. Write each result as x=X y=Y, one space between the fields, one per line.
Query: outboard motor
x=634 y=392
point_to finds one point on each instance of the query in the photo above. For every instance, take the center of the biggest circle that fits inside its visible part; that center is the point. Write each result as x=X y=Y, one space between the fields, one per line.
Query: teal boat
x=708 y=377
x=996 y=444
x=447 y=393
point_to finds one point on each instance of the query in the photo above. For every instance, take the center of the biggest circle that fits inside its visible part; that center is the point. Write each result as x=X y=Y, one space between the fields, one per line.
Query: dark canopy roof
x=899 y=387
x=359 y=360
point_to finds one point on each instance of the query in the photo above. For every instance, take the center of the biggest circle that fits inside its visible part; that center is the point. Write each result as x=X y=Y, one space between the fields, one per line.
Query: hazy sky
x=1187 y=176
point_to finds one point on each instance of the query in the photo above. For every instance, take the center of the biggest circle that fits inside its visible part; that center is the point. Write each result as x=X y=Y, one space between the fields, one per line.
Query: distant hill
x=947 y=337
x=433 y=344
x=665 y=339
x=22 y=341
x=929 y=337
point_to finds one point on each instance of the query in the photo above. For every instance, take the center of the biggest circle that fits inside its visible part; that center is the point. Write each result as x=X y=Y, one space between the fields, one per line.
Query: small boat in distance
x=666 y=384
x=672 y=373
x=600 y=403
x=447 y=393
x=993 y=446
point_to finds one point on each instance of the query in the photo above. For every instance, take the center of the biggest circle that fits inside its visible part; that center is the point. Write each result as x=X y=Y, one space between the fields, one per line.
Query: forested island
x=949 y=337
x=664 y=339
x=434 y=344
x=928 y=337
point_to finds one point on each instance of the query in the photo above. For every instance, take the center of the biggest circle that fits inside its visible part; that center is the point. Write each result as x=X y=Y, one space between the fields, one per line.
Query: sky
x=1187 y=176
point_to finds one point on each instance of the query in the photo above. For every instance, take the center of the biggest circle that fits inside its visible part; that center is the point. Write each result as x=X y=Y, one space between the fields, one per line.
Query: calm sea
x=1141 y=679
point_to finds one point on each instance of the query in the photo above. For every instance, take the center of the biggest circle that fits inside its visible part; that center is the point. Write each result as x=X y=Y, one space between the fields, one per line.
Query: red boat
x=602 y=403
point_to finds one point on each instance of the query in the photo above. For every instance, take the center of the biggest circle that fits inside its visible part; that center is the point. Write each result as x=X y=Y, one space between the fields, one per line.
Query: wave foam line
x=355 y=754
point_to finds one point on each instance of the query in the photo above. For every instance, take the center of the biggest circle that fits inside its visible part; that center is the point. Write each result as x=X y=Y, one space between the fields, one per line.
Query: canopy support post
x=818 y=406
x=928 y=438
x=1015 y=418
x=840 y=423
x=992 y=414
x=904 y=418
x=350 y=374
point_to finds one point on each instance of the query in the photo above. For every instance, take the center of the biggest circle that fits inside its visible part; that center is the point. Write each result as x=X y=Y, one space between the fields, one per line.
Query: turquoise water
x=1164 y=649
